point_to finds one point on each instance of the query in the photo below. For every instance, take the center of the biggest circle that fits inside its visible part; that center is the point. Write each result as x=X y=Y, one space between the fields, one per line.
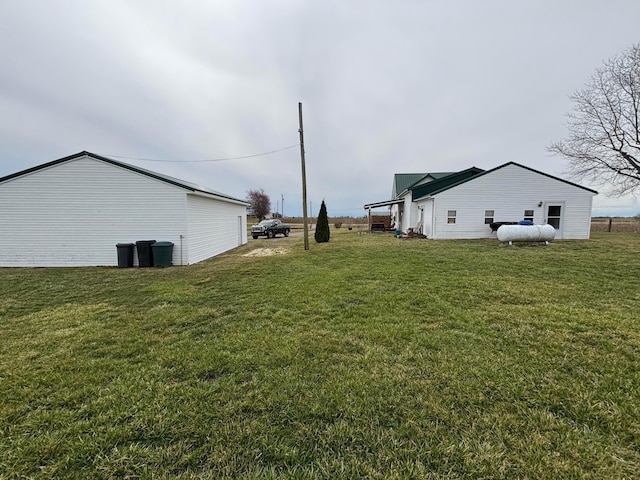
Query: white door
x=554 y=212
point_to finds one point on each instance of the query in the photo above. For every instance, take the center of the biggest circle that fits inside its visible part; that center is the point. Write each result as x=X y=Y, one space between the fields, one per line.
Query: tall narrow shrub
x=322 y=225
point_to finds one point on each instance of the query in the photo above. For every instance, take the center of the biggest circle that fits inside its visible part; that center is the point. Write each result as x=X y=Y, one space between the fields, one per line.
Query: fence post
x=610 y=221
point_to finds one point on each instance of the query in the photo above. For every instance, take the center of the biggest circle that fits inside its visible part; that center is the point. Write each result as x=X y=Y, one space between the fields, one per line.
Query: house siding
x=401 y=212
x=74 y=214
x=407 y=213
x=213 y=227
x=509 y=191
x=427 y=215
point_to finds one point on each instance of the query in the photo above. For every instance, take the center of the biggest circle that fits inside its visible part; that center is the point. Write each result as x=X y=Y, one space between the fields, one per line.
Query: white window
x=451 y=216
x=488 y=217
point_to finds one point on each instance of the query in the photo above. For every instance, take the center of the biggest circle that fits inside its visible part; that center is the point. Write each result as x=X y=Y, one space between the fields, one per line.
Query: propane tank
x=526 y=233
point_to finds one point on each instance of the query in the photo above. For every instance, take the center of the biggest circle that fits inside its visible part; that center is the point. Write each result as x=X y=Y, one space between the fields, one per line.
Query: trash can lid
x=162 y=244
x=124 y=244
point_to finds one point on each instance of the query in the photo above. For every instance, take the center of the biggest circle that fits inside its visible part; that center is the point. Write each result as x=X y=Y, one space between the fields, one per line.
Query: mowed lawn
x=365 y=357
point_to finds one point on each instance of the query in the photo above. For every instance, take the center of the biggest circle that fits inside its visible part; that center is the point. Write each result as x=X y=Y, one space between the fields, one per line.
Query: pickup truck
x=270 y=228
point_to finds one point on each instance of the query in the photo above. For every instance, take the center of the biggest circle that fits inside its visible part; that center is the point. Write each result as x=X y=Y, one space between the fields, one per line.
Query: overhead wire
x=204 y=160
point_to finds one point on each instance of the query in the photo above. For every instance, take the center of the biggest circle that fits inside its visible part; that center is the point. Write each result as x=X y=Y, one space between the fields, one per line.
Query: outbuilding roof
x=158 y=176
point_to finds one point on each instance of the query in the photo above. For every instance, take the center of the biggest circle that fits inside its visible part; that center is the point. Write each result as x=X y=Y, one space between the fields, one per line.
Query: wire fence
x=616 y=224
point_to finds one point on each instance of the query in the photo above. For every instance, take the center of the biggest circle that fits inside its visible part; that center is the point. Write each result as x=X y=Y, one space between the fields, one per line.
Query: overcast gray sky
x=386 y=86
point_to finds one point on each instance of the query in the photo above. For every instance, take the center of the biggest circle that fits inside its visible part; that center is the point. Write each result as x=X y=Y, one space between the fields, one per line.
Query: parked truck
x=270 y=228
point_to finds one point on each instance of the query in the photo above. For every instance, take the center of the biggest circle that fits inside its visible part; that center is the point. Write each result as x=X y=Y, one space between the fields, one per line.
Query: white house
x=73 y=211
x=465 y=204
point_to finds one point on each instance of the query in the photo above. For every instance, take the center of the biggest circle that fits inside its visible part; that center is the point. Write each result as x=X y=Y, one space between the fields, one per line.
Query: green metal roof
x=430 y=177
x=402 y=181
x=443 y=183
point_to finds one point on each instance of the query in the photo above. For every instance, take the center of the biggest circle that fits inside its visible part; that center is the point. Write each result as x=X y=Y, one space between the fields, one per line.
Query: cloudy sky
x=387 y=87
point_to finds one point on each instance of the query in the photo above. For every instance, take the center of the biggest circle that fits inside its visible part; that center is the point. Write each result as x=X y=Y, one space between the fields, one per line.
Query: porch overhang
x=386 y=203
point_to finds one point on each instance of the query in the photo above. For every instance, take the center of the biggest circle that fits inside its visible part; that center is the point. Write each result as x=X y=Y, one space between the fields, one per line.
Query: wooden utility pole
x=304 y=180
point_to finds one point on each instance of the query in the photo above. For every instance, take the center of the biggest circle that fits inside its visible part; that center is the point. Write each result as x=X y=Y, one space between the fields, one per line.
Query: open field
x=598 y=224
x=618 y=224
x=365 y=357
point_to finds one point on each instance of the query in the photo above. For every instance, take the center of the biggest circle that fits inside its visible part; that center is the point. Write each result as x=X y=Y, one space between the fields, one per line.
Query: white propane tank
x=526 y=233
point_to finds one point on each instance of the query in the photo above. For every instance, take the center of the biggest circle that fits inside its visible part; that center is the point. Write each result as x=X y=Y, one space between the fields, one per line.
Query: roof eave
x=223 y=197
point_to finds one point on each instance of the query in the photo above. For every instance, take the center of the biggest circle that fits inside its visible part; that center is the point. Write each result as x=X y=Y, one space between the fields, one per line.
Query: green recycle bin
x=162 y=253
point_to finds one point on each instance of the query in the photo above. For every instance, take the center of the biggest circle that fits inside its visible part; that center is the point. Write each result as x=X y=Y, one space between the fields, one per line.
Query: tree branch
x=604 y=126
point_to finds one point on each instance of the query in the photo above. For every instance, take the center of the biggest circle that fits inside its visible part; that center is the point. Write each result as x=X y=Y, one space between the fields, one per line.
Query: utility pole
x=282 y=214
x=304 y=180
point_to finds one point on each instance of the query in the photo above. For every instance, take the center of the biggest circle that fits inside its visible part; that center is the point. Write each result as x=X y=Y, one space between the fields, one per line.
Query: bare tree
x=259 y=203
x=603 y=144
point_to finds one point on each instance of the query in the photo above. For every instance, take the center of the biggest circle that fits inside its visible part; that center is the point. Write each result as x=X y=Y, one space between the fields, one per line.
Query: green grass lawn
x=365 y=357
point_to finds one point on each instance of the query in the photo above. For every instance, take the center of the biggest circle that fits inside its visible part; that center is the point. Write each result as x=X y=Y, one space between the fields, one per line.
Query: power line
x=205 y=160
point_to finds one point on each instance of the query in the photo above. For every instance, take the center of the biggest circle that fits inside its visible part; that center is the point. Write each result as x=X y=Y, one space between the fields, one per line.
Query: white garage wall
x=213 y=227
x=74 y=213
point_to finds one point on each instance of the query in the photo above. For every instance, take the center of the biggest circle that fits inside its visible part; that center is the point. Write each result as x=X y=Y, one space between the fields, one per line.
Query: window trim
x=528 y=217
x=489 y=216
x=451 y=217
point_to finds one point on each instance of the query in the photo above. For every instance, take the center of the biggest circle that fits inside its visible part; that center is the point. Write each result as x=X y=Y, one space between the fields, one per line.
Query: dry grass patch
x=266 y=252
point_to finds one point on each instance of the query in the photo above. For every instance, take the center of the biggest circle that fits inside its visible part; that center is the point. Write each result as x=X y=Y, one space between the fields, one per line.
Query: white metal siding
x=509 y=191
x=412 y=217
x=74 y=214
x=395 y=215
x=405 y=213
x=427 y=216
x=213 y=227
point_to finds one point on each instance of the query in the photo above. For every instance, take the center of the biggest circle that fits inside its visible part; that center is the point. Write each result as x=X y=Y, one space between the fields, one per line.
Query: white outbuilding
x=472 y=203
x=75 y=210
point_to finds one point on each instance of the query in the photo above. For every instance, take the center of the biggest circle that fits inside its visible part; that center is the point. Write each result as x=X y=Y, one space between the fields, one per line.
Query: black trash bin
x=162 y=253
x=145 y=253
x=125 y=255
